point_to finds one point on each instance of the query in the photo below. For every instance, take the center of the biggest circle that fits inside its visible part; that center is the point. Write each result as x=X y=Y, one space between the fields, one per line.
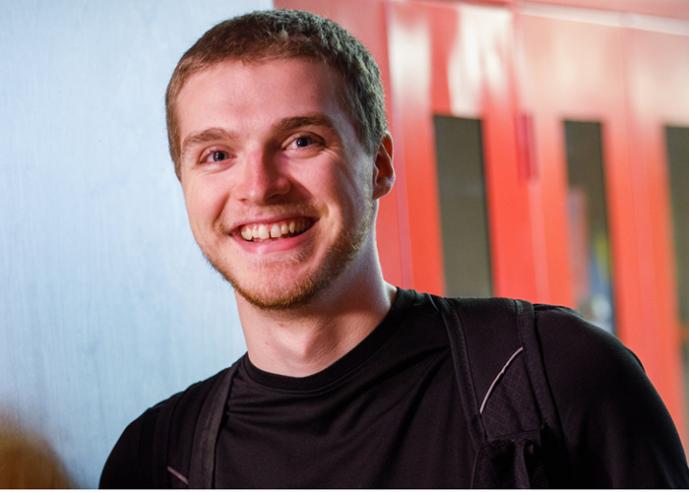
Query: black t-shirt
x=388 y=414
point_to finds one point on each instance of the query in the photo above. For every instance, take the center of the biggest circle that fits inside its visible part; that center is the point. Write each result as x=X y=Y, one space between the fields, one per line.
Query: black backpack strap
x=526 y=326
x=556 y=460
x=202 y=468
x=500 y=374
x=161 y=479
x=460 y=361
x=186 y=430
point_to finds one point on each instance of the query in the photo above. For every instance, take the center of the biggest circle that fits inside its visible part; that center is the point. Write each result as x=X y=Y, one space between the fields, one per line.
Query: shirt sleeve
x=617 y=430
x=129 y=465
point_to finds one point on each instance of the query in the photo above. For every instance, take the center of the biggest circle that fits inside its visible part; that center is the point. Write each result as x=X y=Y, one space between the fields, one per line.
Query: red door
x=574 y=83
x=454 y=61
x=658 y=74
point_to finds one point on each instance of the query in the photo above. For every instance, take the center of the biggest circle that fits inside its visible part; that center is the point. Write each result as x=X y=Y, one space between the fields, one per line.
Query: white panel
x=106 y=304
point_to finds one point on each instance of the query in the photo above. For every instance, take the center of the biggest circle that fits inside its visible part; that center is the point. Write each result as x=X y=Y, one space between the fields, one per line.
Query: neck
x=303 y=341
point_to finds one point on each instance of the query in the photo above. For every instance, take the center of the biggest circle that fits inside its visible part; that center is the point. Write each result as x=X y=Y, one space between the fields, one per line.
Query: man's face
x=278 y=188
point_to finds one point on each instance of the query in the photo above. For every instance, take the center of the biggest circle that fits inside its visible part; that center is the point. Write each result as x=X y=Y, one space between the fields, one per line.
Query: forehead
x=240 y=95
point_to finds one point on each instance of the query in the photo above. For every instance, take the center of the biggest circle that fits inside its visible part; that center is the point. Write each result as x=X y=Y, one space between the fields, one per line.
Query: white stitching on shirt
x=178 y=475
x=495 y=381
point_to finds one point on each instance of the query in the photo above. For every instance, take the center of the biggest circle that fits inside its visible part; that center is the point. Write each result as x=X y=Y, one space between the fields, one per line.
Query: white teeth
x=277 y=230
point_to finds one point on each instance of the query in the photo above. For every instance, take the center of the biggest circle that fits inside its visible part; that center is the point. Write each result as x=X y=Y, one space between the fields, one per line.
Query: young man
x=278 y=134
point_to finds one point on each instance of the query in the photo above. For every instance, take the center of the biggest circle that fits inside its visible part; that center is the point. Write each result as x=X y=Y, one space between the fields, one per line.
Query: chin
x=272 y=287
x=292 y=296
x=283 y=286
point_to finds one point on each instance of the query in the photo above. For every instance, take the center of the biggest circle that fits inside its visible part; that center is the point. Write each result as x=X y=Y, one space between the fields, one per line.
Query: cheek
x=205 y=200
x=354 y=185
x=348 y=194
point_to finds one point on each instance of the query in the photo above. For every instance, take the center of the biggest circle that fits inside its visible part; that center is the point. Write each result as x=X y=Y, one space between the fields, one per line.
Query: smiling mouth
x=275 y=230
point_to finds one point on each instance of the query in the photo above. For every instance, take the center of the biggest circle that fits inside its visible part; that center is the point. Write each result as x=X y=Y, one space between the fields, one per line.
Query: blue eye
x=304 y=145
x=218 y=155
x=303 y=141
x=215 y=157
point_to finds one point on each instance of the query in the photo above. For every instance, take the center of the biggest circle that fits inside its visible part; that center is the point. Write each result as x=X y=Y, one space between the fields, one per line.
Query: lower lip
x=275 y=245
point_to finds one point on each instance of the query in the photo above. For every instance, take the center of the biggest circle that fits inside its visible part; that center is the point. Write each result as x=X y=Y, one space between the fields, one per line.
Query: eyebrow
x=316 y=119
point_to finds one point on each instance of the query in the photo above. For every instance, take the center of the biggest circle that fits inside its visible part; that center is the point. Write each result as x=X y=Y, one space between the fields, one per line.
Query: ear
x=383 y=173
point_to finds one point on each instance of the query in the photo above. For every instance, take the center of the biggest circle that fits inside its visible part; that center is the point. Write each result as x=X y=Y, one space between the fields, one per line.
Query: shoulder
x=587 y=368
x=570 y=341
x=132 y=461
x=617 y=430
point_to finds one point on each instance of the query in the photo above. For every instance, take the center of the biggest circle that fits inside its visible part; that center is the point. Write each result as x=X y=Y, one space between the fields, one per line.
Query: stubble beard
x=345 y=249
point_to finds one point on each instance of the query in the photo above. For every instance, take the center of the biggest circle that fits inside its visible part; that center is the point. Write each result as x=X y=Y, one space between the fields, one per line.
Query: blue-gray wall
x=106 y=305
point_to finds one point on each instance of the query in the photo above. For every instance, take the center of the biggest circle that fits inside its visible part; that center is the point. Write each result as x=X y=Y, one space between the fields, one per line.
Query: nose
x=261 y=179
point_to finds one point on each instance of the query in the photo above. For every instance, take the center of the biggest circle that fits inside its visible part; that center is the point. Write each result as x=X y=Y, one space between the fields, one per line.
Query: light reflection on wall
x=107 y=306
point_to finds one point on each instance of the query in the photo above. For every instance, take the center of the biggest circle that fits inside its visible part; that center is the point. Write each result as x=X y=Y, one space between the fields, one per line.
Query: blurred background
x=542 y=152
